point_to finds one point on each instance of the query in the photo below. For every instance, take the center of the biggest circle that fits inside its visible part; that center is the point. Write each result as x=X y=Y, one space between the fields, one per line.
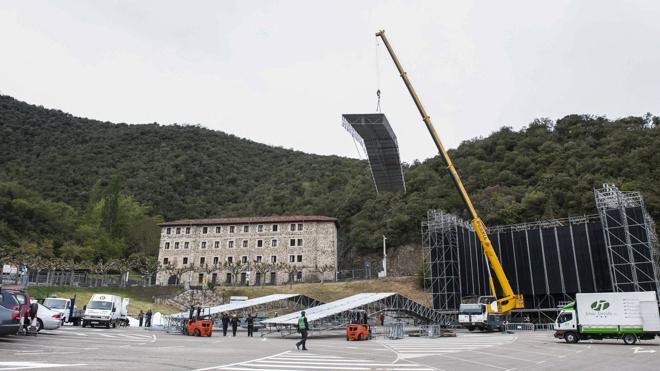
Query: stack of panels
x=382 y=149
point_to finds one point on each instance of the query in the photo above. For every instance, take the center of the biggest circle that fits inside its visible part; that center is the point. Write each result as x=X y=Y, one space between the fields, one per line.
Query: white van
x=102 y=310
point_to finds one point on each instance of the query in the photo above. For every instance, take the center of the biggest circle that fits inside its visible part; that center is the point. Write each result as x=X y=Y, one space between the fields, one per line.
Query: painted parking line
x=309 y=361
x=33 y=365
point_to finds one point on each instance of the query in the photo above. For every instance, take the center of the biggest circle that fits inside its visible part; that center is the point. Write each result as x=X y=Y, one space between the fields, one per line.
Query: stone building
x=200 y=250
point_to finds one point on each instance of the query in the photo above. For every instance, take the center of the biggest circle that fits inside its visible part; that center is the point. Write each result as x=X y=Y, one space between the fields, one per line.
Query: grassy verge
x=330 y=291
x=141 y=297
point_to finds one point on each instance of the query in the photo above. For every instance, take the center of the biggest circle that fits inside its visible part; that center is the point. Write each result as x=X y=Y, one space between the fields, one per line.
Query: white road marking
x=639 y=350
x=309 y=361
x=31 y=365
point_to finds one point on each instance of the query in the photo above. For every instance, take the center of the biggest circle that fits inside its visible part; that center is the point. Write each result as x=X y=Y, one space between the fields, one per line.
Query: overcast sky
x=283 y=72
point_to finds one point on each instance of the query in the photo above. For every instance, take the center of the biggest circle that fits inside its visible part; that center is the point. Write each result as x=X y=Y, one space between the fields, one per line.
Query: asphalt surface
x=76 y=348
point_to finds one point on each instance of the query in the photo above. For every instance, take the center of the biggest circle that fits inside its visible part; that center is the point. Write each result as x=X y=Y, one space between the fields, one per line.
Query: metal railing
x=396 y=331
x=526 y=326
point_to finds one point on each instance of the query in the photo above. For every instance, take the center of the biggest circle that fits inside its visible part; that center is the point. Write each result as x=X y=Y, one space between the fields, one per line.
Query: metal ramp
x=290 y=301
x=338 y=313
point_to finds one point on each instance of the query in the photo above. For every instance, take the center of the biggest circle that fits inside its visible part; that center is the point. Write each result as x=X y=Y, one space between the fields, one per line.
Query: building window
x=292 y=242
x=176 y=246
x=202 y=260
x=215 y=260
x=230 y=259
x=292 y=258
x=187 y=230
x=299 y=258
x=232 y=229
x=258 y=260
x=244 y=259
x=273 y=259
x=205 y=230
x=300 y=226
x=218 y=229
x=260 y=243
x=299 y=276
x=185 y=260
x=169 y=230
x=292 y=227
x=260 y=228
x=230 y=244
x=216 y=244
x=275 y=226
x=300 y=242
x=186 y=245
x=178 y=230
x=166 y=260
x=246 y=228
x=245 y=243
x=203 y=244
x=273 y=243
x=167 y=245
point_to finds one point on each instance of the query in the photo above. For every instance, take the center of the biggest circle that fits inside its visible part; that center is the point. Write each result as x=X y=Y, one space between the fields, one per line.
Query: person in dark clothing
x=250 y=325
x=225 y=323
x=141 y=317
x=234 y=324
x=302 y=328
x=147 y=322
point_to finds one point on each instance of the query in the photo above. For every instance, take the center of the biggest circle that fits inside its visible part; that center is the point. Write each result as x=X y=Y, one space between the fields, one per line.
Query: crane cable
x=377 y=75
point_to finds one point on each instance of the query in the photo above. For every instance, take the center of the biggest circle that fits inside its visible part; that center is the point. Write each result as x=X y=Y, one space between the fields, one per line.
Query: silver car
x=48 y=319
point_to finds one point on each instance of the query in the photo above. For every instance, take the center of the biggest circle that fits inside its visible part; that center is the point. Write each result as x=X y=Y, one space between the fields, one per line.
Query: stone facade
x=307 y=242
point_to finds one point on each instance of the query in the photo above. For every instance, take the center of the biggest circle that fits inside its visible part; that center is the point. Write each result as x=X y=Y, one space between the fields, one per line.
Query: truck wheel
x=114 y=324
x=629 y=339
x=107 y=325
x=196 y=333
x=571 y=337
x=470 y=328
x=84 y=324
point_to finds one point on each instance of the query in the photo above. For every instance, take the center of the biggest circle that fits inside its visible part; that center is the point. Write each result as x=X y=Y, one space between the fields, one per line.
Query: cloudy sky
x=283 y=72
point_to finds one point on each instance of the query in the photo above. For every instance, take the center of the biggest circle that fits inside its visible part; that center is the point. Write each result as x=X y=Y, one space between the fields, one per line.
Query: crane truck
x=492 y=310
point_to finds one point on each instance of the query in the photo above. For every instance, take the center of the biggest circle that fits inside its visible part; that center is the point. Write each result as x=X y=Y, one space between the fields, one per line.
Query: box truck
x=613 y=315
x=102 y=310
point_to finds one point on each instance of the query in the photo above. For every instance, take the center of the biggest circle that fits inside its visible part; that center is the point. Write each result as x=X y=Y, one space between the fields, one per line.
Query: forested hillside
x=546 y=170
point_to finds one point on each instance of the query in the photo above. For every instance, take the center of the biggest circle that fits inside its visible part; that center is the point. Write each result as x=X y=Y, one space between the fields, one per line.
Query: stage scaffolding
x=547 y=261
x=630 y=239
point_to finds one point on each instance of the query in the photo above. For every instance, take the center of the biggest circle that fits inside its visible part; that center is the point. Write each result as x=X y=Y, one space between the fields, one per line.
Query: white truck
x=476 y=315
x=102 y=310
x=613 y=315
x=67 y=308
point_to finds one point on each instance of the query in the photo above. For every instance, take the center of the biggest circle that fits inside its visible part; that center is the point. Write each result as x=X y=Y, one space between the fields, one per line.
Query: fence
x=530 y=326
x=396 y=331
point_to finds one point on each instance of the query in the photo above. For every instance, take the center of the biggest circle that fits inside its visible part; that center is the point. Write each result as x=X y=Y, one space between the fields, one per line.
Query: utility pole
x=384 y=256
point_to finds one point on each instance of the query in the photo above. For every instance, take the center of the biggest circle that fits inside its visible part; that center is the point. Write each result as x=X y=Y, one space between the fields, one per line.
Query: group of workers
x=145 y=317
x=234 y=321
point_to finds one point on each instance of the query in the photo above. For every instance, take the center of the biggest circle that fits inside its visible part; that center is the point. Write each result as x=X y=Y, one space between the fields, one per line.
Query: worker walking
x=225 y=323
x=234 y=324
x=303 y=326
x=141 y=317
x=381 y=317
x=250 y=325
x=147 y=322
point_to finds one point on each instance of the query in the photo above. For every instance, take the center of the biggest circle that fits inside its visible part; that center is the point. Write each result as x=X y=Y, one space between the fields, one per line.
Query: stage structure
x=547 y=261
x=376 y=138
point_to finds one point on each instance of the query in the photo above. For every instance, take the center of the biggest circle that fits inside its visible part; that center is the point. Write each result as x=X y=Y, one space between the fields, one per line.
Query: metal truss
x=440 y=243
x=630 y=239
x=396 y=305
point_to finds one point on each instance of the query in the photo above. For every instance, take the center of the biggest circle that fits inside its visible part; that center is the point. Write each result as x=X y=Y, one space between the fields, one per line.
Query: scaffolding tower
x=630 y=240
x=440 y=243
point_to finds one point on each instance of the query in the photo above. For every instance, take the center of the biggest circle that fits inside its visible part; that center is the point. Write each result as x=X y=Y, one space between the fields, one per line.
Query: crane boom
x=510 y=300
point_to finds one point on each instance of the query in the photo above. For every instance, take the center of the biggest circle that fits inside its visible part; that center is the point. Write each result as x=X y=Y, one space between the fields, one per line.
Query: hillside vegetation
x=548 y=169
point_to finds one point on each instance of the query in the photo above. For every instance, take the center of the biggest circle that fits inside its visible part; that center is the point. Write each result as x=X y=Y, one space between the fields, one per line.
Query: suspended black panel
x=379 y=141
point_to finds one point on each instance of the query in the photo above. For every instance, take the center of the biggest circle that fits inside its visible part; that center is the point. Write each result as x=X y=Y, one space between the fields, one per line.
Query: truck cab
x=59 y=305
x=102 y=310
x=481 y=315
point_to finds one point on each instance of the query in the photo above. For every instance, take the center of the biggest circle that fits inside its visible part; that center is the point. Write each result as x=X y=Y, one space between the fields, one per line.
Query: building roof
x=252 y=220
x=219 y=309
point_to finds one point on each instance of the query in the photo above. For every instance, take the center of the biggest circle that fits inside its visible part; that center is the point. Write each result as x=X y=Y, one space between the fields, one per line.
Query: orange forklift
x=358 y=329
x=199 y=325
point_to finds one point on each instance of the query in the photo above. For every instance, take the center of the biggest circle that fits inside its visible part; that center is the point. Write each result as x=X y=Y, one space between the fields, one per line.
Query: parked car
x=9 y=314
x=48 y=319
x=24 y=301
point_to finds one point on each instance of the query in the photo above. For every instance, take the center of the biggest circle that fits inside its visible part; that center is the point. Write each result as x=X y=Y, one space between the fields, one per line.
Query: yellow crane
x=509 y=299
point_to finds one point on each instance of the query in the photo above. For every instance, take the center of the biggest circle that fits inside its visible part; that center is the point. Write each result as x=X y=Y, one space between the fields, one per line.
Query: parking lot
x=136 y=348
